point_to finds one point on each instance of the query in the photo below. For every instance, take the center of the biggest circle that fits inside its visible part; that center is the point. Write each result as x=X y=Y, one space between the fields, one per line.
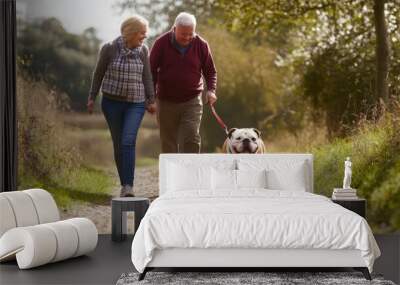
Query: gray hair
x=133 y=24
x=185 y=19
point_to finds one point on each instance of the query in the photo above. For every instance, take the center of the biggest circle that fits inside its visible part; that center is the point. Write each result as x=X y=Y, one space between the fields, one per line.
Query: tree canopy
x=64 y=60
x=341 y=50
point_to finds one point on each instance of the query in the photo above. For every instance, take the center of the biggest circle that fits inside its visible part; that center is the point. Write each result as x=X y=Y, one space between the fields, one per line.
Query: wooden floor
x=111 y=259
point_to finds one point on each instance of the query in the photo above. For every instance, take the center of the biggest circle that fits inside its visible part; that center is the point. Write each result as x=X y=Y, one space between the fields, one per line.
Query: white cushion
x=23 y=208
x=188 y=177
x=7 y=218
x=282 y=174
x=30 y=232
x=187 y=160
x=46 y=207
x=293 y=180
x=251 y=178
x=32 y=246
x=26 y=208
x=40 y=244
x=229 y=161
x=67 y=239
x=168 y=174
x=230 y=180
x=87 y=233
x=223 y=179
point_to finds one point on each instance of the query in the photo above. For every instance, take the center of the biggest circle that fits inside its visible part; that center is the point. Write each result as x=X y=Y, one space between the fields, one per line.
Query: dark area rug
x=243 y=278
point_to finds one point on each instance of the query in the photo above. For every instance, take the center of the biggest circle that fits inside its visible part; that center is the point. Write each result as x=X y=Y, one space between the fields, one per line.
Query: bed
x=246 y=211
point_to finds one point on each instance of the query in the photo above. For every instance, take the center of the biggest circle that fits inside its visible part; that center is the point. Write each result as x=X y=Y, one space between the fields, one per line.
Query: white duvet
x=250 y=218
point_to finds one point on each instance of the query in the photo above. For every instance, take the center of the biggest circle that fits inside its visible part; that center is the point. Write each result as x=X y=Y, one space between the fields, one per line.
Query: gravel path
x=145 y=185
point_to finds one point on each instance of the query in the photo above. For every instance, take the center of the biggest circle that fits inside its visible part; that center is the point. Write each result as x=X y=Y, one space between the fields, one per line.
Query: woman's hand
x=151 y=108
x=90 y=105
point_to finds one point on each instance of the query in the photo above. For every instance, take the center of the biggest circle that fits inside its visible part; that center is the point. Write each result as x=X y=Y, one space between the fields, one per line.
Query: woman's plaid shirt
x=124 y=75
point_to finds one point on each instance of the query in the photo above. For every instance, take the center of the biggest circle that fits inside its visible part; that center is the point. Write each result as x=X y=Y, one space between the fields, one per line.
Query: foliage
x=375 y=151
x=331 y=43
x=249 y=85
x=339 y=88
x=41 y=148
x=63 y=60
x=162 y=13
x=313 y=25
x=46 y=159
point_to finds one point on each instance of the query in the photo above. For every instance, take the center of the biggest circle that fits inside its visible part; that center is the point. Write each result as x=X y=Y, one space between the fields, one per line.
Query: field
x=91 y=135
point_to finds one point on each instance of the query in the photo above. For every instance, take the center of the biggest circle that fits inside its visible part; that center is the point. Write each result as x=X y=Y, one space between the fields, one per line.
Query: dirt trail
x=145 y=185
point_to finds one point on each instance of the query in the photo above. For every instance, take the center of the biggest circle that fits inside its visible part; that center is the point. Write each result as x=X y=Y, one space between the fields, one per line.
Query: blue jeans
x=123 y=119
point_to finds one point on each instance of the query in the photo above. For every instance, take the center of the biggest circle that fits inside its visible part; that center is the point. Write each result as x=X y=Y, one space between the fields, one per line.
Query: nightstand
x=119 y=207
x=358 y=205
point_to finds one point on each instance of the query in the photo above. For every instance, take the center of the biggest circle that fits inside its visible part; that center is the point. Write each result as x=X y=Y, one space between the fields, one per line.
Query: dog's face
x=244 y=141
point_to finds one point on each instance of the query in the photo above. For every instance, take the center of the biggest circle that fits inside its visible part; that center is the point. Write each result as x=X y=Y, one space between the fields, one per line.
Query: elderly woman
x=123 y=72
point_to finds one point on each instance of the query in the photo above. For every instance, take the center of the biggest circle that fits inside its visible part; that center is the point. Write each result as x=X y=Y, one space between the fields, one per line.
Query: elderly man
x=179 y=60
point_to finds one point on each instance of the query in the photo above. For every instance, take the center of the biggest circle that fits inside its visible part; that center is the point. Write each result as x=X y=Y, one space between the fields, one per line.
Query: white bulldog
x=243 y=141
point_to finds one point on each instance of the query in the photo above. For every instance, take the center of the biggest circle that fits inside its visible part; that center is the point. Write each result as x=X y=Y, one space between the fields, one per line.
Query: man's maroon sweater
x=177 y=77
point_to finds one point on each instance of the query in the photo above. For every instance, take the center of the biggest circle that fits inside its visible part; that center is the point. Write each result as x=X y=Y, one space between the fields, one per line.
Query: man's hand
x=211 y=97
x=151 y=108
x=90 y=105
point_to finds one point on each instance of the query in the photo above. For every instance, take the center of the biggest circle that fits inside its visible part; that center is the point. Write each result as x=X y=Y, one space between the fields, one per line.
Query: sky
x=77 y=15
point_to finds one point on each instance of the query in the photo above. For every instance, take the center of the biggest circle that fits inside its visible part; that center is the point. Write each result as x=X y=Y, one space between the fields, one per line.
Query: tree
x=161 y=13
x=314 y=29
x=249 y=86
x=63 y=60
x=382 y=51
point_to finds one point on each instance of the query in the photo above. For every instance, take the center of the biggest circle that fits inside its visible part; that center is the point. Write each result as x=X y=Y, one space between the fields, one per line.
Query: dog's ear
x=257 y=132
x=230 y=132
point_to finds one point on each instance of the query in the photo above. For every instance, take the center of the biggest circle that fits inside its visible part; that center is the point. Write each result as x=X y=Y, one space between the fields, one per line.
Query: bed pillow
x=282 y=174
x=251 y=178
x=188 y=177
x=215 y=163
x=223 y=179
x=292 y=181
x=236 y=179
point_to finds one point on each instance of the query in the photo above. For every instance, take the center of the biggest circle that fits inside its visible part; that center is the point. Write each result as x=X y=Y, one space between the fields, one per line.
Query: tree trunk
x=382 y=52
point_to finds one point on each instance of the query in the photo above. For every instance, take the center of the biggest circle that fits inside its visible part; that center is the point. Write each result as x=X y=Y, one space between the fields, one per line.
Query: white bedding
x=251 y=218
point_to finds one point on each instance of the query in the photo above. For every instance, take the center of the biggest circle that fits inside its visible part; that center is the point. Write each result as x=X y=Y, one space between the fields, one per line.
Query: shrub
x=374 y=148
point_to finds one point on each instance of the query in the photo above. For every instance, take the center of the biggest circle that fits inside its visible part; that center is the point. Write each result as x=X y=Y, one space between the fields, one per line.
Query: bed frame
x=249 y=258
x=245 y=259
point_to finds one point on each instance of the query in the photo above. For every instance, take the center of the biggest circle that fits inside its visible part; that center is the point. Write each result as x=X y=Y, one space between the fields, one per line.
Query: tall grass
x=46 y=158
x=374 y=147
x=375 y=150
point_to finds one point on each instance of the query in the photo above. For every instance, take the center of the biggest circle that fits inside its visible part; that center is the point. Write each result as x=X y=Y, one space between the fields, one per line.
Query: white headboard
x=211 y=158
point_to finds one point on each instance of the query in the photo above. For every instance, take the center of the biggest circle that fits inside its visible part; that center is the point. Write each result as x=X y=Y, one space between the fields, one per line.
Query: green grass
x=88 y=180
x=83 y=184
x=146 y=161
